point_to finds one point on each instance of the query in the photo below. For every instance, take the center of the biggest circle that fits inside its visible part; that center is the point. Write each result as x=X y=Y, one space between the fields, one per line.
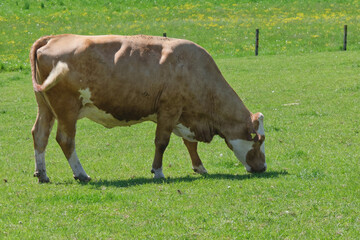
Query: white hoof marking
x=158 y=173
x=78 y=170
x=200 y=169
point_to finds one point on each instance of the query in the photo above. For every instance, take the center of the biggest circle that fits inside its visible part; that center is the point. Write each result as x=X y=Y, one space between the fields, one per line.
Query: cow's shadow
x=125 y=183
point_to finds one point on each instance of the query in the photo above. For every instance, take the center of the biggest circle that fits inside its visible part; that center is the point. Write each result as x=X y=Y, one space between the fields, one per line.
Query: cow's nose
x=258 y=171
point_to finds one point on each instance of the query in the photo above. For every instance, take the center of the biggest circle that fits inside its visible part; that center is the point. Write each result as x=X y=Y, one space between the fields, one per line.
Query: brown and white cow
x=124 y=80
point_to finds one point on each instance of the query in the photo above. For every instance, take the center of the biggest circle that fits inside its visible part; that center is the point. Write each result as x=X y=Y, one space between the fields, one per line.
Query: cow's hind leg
x=40 y=132
x=66 y=138
x=195 y=159
x=166 y=122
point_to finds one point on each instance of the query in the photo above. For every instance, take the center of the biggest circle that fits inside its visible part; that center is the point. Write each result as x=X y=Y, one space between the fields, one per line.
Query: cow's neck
x=234 y=119
x=223 y=113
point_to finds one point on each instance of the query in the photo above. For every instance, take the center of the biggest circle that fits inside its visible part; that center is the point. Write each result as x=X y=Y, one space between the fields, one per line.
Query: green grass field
x=224 y=28
x=308 y=93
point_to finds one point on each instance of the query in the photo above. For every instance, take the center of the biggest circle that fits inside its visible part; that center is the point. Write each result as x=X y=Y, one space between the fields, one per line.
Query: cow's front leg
x=66 y=139
x=195 y=159
x=165 y=125
x=162 y=139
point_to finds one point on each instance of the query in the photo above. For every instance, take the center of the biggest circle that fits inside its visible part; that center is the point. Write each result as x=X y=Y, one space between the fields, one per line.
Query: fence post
x=164 y=34
x=257 y=43
x=345 y=37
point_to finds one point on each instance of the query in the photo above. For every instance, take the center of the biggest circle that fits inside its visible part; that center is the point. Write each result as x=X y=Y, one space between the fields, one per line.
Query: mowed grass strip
x=310 y=190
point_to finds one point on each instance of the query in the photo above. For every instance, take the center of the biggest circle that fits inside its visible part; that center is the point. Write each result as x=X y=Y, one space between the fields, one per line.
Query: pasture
x=307 y=88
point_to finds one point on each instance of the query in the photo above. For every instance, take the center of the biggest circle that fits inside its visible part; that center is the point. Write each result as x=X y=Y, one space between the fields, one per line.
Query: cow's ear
x=257 y=117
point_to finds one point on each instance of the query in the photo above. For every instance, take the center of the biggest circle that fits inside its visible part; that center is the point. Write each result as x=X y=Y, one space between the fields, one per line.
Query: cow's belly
x=107 y=120
x=90 y=111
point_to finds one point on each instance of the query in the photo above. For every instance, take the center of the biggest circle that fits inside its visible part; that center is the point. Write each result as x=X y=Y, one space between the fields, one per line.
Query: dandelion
x=188 y=6
x=301 y=15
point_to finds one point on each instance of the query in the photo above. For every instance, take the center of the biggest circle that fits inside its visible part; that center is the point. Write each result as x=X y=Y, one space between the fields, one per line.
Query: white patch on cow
x=241 y=148
x=39 y=160
x=89 y=110
x=76 y=166
x=262 y=147
x=200 y=169
x=158 y=173
x=261 y=129
x=85 y=96
x=40 y=168
x=184 y=132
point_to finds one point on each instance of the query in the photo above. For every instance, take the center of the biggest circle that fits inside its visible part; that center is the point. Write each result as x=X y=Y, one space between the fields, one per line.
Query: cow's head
x=251 y=151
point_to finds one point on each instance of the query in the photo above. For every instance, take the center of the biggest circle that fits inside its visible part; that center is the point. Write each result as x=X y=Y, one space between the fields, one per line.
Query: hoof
x=200 y=169
x=83 y=178
x=158 y=173
x=44 y=180
x=41 y=178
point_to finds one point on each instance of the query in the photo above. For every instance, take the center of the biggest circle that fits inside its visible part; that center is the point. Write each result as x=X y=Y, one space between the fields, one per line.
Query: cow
x=123 y=80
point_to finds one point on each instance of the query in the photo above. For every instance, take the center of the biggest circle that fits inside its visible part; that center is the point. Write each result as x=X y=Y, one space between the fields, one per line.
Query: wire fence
x=257 y=37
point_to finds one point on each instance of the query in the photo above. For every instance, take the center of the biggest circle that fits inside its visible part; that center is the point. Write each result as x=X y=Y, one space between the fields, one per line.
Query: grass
x=310 y=189
x=224 y=28
x=308 y=93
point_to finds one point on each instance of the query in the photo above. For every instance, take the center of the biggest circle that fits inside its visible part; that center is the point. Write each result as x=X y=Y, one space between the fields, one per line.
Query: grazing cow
x=124 y=80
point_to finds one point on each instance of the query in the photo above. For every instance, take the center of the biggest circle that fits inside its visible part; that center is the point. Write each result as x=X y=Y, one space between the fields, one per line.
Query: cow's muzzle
x=261 y=170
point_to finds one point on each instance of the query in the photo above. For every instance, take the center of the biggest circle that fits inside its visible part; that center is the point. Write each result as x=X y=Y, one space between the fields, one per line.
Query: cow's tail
x=54 y=76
